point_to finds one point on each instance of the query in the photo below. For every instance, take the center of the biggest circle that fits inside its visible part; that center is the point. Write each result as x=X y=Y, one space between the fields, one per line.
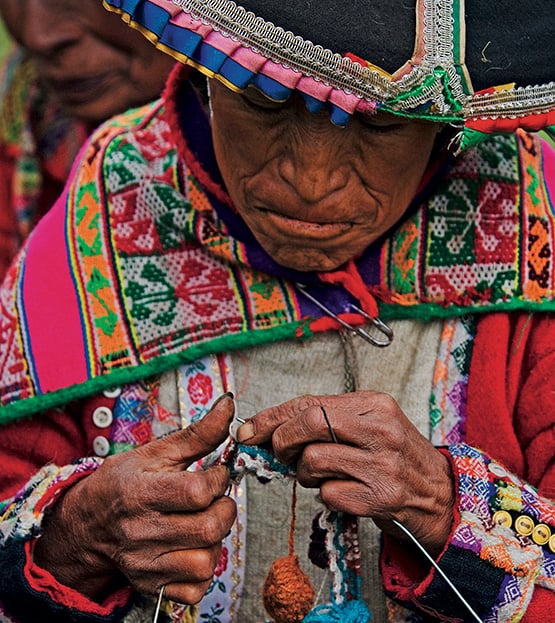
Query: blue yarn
x=354 y=611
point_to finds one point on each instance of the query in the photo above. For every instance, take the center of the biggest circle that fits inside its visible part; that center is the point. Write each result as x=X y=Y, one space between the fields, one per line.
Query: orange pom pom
x=288 y=594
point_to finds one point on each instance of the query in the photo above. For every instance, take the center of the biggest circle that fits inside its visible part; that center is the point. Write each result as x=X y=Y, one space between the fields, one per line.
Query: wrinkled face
x=316 y=195
x=94 y=63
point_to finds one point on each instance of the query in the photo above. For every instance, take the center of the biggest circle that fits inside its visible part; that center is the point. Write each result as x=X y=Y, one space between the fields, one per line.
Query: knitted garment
x=280 y=47
x=154 y=268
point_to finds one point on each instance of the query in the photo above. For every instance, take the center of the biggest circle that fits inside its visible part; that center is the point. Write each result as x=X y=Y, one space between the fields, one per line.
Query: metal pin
x=383 y=328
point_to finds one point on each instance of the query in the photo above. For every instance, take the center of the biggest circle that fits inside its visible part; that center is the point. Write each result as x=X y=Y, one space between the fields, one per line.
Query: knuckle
x=313 y=420
x=383 y=402
x=307 y=401
x=196 y=493
x=214 y=528
x=312 y=459
x=200 y=565
x=279 y=440
x=192 y=593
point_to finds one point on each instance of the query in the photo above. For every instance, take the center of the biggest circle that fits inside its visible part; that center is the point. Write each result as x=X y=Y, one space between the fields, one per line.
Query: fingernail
x=245 y=432
x=222 y=396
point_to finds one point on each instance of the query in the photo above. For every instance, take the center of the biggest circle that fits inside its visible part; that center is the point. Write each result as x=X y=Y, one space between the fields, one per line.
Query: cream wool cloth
x=271 y=374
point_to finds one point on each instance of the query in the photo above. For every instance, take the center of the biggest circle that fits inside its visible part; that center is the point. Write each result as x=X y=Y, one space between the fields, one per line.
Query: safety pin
x=383 y=328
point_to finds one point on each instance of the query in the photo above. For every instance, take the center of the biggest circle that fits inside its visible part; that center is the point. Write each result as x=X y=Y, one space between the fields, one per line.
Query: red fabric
x=511 y=395
x=53 y=437
x=9 y=239
x=45 y=582
x=511 y=417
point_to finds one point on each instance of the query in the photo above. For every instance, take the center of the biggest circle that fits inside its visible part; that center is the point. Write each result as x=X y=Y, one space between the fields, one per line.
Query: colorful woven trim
x=484 y=488
x=225 y=41
x=147 y=275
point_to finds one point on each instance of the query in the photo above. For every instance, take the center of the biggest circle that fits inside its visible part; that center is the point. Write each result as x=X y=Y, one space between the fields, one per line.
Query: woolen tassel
x=354 y=611
x=288 y=594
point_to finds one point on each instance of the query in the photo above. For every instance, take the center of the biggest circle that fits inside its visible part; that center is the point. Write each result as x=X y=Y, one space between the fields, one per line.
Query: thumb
x=199 y=438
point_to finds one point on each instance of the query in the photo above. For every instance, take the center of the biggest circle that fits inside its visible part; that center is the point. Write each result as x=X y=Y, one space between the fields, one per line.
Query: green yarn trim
x=35 y=404
x=429 y=311
x=470 y=138
x=438 y=75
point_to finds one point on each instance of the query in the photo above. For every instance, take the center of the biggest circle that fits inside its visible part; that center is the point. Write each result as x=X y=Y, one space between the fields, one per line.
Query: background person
x=186 y=243
x=75 y=66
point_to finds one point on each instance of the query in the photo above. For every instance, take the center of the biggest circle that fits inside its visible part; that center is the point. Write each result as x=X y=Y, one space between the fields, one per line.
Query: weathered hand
x=381 y=467
x=143 y=516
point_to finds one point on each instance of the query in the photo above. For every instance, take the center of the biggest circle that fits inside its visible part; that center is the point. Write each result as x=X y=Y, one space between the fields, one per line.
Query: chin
x=305 y=264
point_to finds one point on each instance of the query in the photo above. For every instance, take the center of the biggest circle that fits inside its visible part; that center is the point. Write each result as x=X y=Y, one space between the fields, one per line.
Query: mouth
x=304 y=228
x=81 y=90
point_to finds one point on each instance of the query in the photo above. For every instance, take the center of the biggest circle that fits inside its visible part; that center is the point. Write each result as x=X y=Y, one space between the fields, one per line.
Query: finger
x=189 y=593
x=188 y=565
x=368 y=420
x=183 y=491
x=259 y=428
x=350 y=496
x=310 y=426
x=324 y=461
x=177 y=569
x=174 y=531
x=182 y=448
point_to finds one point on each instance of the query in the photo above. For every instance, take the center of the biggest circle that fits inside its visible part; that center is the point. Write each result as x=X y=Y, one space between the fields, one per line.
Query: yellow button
x=541 y=534
x=524 y=525
x=503 y=518
x=552 y=543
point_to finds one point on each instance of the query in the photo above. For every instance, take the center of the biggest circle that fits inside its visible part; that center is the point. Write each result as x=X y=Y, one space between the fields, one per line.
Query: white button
x=102 y=417
x=101 y=446
x=112 y=392
x=497 y=470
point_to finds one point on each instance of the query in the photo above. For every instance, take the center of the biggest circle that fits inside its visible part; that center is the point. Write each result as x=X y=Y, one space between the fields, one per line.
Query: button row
x=524 y=525
x=103 y=418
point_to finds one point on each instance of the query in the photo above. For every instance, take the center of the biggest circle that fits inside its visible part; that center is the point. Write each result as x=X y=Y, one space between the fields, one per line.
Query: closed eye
x=380 y=123
x=258 y=101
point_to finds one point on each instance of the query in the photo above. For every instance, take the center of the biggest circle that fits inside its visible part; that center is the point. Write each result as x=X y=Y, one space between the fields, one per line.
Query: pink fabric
x=43 y=311
x=315 y=89
x=549 y=170
x=170 y=7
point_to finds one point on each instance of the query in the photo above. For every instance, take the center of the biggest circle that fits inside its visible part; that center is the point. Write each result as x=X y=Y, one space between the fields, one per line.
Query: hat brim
x=430 y=59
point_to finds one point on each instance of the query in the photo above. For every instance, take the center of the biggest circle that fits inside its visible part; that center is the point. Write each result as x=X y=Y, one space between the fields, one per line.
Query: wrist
x=65 y=550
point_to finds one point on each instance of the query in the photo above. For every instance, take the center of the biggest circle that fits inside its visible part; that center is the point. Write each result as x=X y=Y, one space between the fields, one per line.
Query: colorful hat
x=484 y=66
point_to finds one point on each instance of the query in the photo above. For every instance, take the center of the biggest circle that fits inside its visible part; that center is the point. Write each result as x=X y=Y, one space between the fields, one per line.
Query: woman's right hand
x=141 y=514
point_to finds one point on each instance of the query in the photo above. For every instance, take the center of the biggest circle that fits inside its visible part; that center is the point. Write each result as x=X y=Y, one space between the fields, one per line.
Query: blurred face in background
x=94 y=64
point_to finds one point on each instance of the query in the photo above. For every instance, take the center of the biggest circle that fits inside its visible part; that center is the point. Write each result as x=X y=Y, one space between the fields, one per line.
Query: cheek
x=240 y=151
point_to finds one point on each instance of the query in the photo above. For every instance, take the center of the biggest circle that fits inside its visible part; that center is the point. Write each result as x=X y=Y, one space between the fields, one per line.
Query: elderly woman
x=346 y=230
x=75 y=66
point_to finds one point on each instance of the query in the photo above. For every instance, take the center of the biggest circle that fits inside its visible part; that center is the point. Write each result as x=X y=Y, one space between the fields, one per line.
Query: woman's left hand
x=380 y=467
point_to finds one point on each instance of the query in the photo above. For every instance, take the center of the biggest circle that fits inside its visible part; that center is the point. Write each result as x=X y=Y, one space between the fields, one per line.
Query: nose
x=315 y=161
x=47 y=30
